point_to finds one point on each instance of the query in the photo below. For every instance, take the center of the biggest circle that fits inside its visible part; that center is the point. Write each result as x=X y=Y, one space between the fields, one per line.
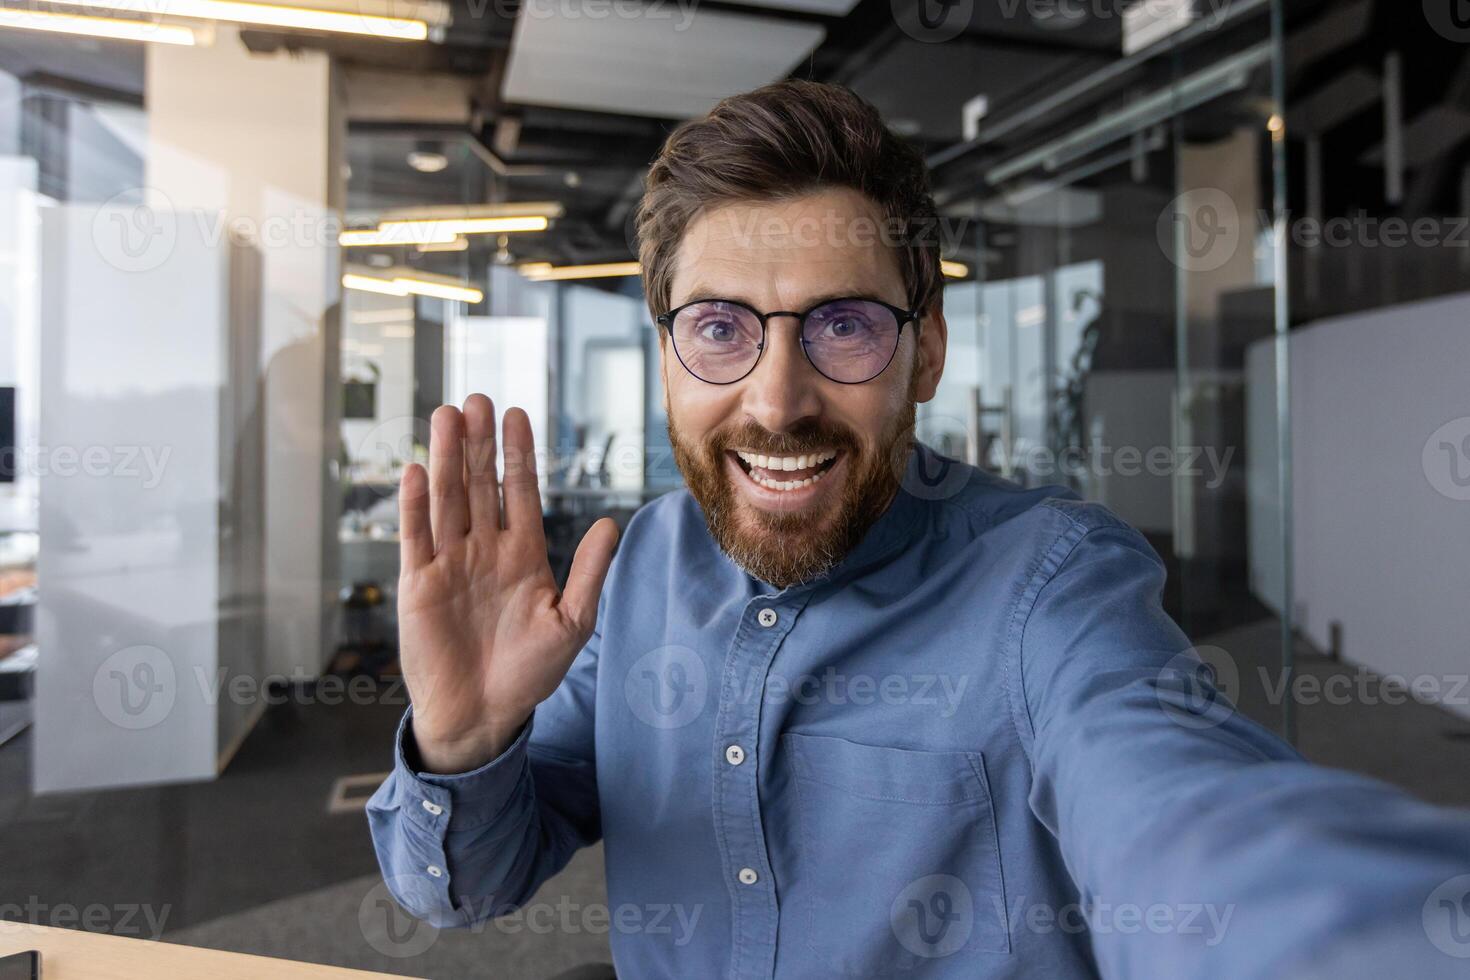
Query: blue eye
x=845 y=325
x=718 y=331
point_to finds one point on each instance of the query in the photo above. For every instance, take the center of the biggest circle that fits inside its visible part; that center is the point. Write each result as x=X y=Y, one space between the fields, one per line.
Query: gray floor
x=1423 y=748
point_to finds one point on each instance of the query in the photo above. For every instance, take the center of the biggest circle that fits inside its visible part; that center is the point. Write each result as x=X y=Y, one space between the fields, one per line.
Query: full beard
x=786 y=549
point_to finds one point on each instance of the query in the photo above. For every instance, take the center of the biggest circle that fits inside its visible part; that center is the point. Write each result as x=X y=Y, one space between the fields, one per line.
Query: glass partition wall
x=1117 y=235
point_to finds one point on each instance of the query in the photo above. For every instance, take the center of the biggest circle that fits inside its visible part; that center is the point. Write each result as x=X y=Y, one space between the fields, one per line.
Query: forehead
x=826 y=243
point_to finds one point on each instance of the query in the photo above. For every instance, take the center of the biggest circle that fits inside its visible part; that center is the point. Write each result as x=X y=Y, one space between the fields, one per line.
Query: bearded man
x=844 y=707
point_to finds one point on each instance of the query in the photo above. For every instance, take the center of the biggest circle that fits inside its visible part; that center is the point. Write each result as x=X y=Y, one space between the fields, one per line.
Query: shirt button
x=766 y=617
x=435 y=870
x=433 y=807
x=734 y=755
x=748 y=876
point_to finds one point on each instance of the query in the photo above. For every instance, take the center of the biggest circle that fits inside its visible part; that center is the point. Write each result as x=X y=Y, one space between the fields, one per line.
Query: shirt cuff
x=468 y=799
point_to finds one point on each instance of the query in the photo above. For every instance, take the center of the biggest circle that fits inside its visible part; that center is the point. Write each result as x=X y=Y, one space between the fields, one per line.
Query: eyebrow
x=701 y=293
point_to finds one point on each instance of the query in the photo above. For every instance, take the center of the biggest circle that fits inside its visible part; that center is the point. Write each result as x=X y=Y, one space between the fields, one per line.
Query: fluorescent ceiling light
x=546 y=272
x=405 y=285
x=439 y=290
x=440 y=231
x=954 y=270
x=458 y=245
x=402 y=235
x=115 y=28
x=369 y=284
x=447 y=212
x=439 y=228
x=273 y=15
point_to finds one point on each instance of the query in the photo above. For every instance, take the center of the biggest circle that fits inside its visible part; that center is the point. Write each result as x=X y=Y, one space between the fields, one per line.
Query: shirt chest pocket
x=899 y=861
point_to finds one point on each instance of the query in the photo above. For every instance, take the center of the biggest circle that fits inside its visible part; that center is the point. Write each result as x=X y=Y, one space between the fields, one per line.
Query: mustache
x=806 y=436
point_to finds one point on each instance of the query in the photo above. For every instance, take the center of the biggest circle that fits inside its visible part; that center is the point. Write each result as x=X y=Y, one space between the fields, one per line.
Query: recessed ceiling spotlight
x=905 y=127
x=572 y=179
x=427 y=161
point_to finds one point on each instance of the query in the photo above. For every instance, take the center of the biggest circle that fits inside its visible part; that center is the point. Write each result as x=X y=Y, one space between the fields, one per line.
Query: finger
x=522 y=497
x=589 y=571
x=481 y=483
x=415 y=539
x=448 y=509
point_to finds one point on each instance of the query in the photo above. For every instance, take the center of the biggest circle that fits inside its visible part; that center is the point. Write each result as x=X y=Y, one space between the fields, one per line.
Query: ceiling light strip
x=275 y=15
x=114 y=28
x=546 y=272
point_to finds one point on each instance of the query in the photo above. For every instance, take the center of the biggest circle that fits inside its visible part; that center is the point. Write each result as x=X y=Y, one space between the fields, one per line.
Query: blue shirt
x=977 y=748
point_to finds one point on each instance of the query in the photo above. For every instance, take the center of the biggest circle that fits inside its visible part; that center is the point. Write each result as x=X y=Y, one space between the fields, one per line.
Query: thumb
x=588 y=572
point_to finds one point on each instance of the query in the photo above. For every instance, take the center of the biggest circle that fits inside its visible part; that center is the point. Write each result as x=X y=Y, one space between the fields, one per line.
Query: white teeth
x=802 y=462
x=785 y=484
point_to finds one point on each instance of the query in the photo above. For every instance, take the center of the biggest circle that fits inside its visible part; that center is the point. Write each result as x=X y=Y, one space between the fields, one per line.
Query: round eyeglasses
x=849 y=341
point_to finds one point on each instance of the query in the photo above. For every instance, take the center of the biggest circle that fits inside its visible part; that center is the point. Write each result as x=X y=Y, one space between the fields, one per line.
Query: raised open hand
x=484 y=634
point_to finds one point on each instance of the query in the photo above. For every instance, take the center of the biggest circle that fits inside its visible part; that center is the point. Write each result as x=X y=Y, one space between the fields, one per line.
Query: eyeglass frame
x=903 y=316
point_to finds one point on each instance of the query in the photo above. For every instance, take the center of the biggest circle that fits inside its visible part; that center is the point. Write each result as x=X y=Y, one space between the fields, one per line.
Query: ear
x=663 y=362
x=933 y=335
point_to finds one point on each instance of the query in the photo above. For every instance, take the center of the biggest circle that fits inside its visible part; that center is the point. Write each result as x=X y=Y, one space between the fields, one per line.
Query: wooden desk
x=70 y=954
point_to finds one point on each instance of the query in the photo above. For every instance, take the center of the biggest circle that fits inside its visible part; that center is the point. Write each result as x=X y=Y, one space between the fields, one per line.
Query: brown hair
x=781 y=141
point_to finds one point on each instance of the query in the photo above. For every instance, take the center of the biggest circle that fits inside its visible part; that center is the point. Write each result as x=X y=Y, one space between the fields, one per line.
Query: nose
x=783 y=388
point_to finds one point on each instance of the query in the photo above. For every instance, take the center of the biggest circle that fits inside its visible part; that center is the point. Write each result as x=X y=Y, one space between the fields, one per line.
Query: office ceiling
x=572 y=107
x=567 y=100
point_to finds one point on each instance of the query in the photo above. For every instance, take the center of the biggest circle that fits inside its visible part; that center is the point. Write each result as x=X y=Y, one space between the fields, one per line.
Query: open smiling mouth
x=786 y=473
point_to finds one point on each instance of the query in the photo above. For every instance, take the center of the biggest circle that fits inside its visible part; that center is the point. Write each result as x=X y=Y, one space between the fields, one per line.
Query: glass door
x=1117 y=332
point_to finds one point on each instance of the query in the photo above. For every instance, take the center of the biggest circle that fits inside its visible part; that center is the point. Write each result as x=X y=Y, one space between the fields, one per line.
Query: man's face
x=792 y=255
